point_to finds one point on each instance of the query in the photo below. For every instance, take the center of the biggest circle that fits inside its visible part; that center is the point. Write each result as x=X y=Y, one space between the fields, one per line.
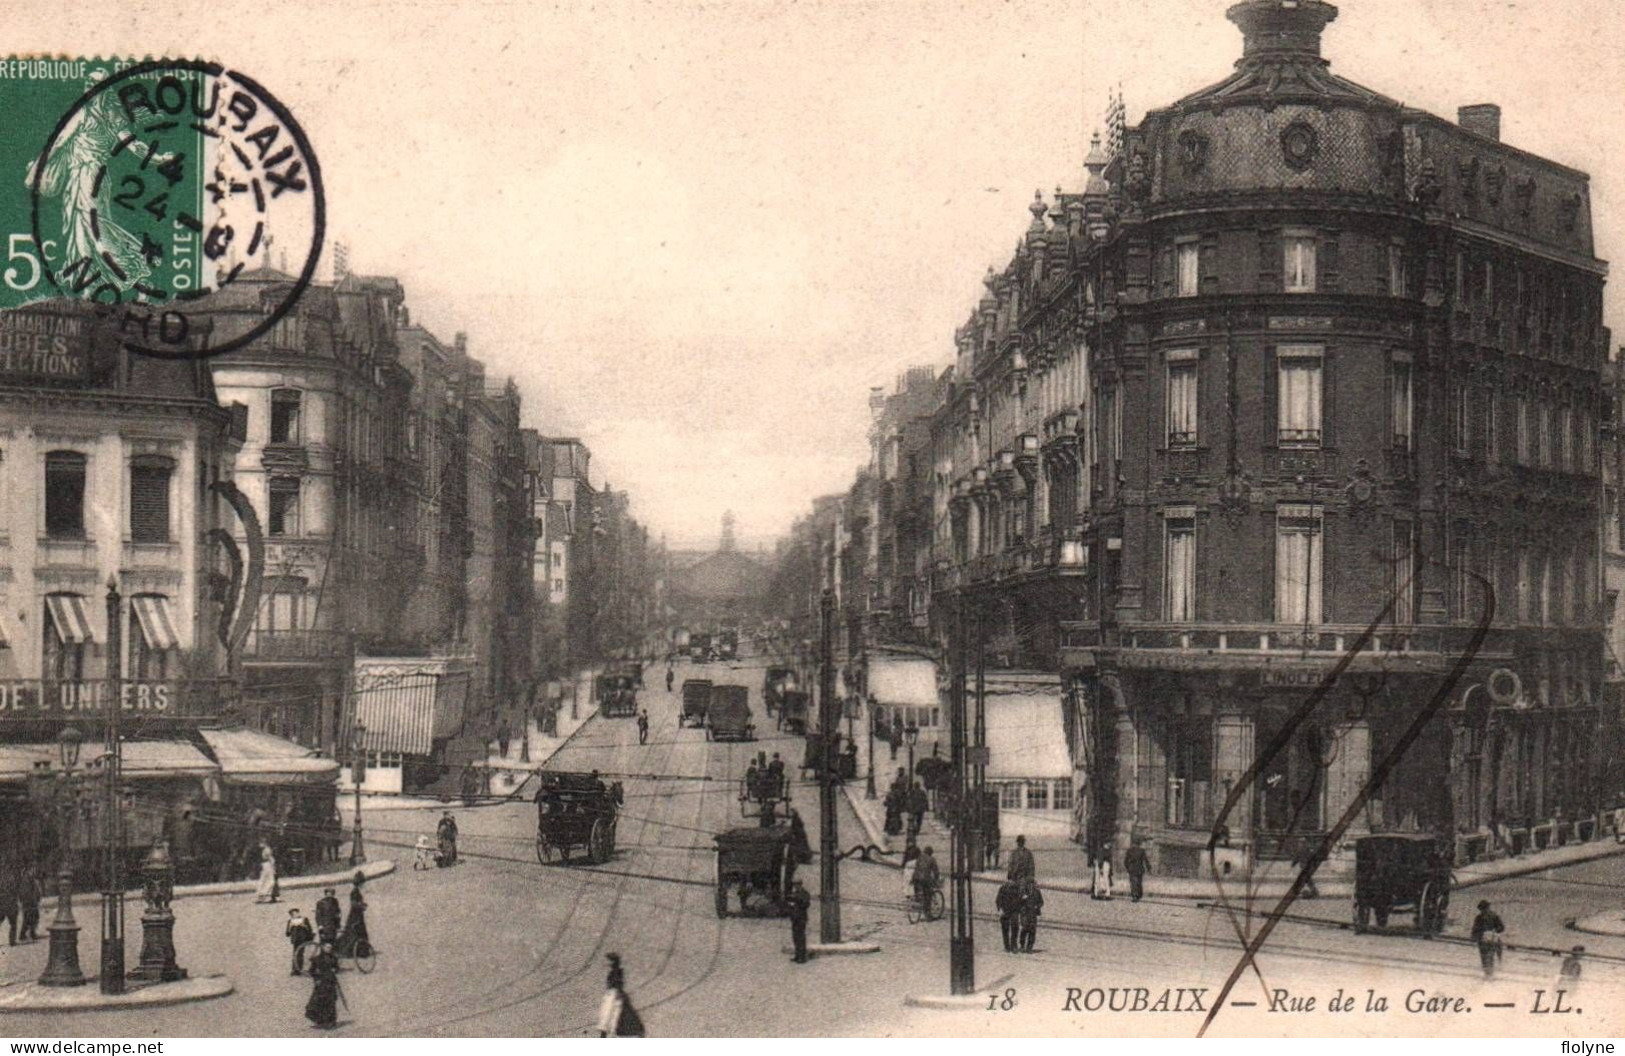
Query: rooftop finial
x=1275 y=27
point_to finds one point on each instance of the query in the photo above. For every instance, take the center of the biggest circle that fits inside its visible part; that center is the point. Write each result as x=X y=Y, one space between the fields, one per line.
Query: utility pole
x=829 y=877
x=961 y=941
x=978 y=751
x=112 y=971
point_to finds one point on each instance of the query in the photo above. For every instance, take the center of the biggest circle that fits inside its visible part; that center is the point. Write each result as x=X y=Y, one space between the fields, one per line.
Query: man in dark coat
x=1008 y=902
x=1138 y=863
x=1032 y=904
x=918 y=804
x=29 y=895
x=323 y=1007
x=1021 y=866
x=1487 y=929
x=328 y=916
x=799 y=902
x=895 y=741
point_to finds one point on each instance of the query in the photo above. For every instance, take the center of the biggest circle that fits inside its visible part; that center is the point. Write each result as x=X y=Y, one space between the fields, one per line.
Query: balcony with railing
x=301 y=646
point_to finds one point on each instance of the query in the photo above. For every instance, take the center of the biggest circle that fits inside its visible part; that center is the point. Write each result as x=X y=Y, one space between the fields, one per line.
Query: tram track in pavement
x=586 y=879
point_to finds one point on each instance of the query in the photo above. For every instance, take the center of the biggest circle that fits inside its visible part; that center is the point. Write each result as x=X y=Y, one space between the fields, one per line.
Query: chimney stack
x=1481 y=118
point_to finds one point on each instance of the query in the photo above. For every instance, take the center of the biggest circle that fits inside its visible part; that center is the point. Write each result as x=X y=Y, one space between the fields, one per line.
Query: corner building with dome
x=1280 y=444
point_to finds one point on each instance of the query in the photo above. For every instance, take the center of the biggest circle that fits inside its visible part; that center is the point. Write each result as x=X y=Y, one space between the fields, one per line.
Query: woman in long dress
x=353 y=940
x=266 y=891
x=323 y=1007
x=1103 y=875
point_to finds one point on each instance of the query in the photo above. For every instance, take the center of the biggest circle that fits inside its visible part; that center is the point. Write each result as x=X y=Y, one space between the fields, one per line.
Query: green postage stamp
x=152 y=188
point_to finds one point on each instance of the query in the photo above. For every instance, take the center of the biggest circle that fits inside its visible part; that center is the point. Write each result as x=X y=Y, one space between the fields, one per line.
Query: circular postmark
x=164 y=188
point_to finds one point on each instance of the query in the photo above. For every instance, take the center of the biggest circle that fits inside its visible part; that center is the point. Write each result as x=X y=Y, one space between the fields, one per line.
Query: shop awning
x=152 y=612
x=252 y=757
x=141 y=759
x=1026 y=735
x=68 y=614
x=406 y=705
x=910 y=681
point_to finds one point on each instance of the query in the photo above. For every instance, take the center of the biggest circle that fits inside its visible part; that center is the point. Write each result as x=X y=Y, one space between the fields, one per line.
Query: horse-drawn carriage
x=1401 y=873
x=575 y=810
x=762 y=789
x=775 y=682
x=814 y=760
x=617 y=696
x=728 y=716
x=754 y=868
x=696 y=702
x=793 y=708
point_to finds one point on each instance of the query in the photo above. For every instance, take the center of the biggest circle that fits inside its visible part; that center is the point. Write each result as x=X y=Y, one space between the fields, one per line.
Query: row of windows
x=1546 y=587
x=1300 y=264
x=1544 y=434
x=1034 y=794
x=66 y=633
x=65 y=476
x=919 y=716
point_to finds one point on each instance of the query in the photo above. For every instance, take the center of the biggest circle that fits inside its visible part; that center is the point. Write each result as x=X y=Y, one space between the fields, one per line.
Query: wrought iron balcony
x=296 y=645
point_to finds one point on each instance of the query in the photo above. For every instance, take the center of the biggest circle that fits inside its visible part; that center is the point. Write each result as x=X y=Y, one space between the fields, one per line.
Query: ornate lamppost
x=158 y=920
x=869 y=783
x=62 y=965
x=358 y=774
x=911 y=737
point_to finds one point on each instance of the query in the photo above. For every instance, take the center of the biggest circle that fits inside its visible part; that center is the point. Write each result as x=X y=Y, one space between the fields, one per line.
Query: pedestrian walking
x=911 y=858
x=894 y=807
x=353 y=940
x=1568 y=976
x=266 y=890
x=446 y=840
x=918 y=804
x=323 y=1007
x=895 y=740
x=643 y=726
x=1101 y=889
x=799 y=902
x=1022 y=866
x=670 y=677
x=299 y=932
x=616 y=1016
x=1032 y=904
x=1487 y=931
x=1137 y=863
x=504 y=738
x=927 y=878
x=29 y=896
x=328 y=914
x=11 y=907
x=1008 y=902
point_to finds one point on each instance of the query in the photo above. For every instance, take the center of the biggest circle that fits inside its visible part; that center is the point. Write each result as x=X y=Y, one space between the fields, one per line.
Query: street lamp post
x=911 y=737
x=62 y=964
x=358 y=773
x=112 y=971
x=869 y=782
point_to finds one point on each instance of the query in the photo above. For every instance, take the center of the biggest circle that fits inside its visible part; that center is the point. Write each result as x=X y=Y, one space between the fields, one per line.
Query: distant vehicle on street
x=727 y=645
x=617 y=696
x=696 y=702
x=575 y=810
x=1401 y=873
x=777 y=679
x=793 y=708
x=699 y=647
x=754 y=867
x=728 y=718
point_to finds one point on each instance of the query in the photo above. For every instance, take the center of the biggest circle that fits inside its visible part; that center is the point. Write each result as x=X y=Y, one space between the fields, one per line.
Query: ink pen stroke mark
x=1278 y=743
x=1378 y=777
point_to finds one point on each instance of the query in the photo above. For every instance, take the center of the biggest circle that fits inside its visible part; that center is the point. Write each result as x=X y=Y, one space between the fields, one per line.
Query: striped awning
x=68 y=615
x=396 y=707
x=152 y=612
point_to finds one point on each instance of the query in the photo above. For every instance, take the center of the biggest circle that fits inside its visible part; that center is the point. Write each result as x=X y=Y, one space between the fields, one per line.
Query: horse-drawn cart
x=575 y=810
x=1401 y=873
x=754 y=867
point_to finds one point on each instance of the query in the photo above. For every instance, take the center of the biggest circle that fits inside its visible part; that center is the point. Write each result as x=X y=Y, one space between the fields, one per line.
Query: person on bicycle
x=927 y=877
x=643 y=726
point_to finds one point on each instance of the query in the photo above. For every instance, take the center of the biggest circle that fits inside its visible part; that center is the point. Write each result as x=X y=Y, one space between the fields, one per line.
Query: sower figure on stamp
x=1487 y=931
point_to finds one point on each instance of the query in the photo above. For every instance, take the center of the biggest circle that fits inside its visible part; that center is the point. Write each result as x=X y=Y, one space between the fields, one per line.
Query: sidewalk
x=371 y=870
x=1273 y=884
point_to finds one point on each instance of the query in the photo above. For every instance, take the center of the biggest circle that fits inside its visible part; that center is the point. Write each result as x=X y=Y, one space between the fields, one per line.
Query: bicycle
x=931 y=909
x=363 y=962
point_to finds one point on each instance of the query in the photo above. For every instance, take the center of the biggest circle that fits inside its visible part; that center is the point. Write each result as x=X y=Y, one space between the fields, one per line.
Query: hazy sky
x=697 y=234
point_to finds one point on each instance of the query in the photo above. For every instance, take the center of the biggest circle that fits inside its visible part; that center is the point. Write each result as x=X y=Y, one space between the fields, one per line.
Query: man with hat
x=1487 y=930
x=328 y=915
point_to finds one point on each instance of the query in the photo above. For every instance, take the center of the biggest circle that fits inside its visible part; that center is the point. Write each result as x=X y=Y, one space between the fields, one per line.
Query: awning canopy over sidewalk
x=252 y=757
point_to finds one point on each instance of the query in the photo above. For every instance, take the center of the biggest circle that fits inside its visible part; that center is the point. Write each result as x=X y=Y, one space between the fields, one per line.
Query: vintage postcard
x=891 y=519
